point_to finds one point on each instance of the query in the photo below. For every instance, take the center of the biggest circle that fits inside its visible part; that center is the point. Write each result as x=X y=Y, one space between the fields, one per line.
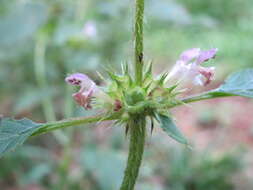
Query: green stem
x=48 y=127
x=138 y=31
x=206 y=96
x=203 y=96
x=137 y=124
x=39 y=66
x=136 y=149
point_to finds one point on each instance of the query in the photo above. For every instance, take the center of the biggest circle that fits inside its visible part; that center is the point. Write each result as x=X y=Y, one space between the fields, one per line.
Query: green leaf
x=238 y=84
x=14 y=132
x=171 y=129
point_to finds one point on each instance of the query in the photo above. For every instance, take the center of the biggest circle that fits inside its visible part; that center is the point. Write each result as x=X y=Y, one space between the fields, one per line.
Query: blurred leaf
x=171 y=129
x=5 y=5
x=39 y=165
x=238 y=84
x=35 y=174
x=22 y=22
x=14 y=132
x=33 y=152
x=198 y=171
x=32 y=97
x=107 y=166
x=168 y=11
x=65 y=31
x=215 y=8
x=81 y=60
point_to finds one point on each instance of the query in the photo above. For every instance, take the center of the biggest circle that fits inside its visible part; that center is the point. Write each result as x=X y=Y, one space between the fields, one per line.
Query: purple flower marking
x=88 y=89
x=206 y=55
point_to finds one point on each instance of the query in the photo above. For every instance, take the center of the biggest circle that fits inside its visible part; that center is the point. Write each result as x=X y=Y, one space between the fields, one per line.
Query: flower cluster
x=123 y=91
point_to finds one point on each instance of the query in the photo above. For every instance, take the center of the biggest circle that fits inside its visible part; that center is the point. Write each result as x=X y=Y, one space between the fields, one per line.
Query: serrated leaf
x=238 y=84
x=14 y=132
x=171 y=129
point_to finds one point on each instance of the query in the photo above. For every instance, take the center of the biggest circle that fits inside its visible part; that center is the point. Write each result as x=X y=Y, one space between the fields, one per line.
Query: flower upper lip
x=88 y=89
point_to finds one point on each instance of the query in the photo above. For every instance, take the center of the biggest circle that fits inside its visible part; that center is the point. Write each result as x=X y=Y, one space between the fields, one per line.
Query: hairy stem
x=138 y=32
x=136 y=149
x=137 y=124
x=206 y=96
x=199 y=97
x=48 y=127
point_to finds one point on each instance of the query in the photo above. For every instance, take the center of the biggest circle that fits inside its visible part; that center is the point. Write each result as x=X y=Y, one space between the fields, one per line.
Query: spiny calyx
x=152 y=96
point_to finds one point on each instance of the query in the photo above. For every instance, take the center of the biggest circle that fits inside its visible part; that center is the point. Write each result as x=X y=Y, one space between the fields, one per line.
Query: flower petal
x=83 y=99
x=190 y=54
x=198 y=80
x=208 y=73
x=206 y=55
x=77 y=79
x=192 y=72
x=178 y=70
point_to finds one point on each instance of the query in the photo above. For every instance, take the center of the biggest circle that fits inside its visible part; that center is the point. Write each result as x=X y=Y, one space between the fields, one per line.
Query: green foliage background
x=96 y=157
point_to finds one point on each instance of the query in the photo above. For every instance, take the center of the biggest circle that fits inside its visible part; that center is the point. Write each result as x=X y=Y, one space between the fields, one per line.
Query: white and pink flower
x=188 y=67
x=88 y=89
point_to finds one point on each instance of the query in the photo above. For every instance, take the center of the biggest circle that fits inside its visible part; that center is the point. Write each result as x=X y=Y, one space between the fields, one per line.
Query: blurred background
x=41 y=41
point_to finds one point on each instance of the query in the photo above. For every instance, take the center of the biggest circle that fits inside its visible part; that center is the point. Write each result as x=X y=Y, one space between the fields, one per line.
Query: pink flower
x=206 y=55
x=88 y=89
x=185 y=70
x=190 y=54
